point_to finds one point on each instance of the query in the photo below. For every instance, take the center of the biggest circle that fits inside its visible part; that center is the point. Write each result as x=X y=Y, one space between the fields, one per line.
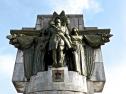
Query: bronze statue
x=78 y=53
x=58 y=39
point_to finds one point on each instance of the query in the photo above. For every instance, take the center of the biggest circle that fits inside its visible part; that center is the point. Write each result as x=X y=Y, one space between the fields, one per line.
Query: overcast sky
x=15 y=14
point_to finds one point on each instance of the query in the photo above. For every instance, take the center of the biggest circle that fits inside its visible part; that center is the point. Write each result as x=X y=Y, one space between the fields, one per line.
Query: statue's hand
x=73 y=48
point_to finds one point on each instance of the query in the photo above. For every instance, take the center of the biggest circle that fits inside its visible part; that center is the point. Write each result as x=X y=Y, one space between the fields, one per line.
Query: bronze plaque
x=58 y=75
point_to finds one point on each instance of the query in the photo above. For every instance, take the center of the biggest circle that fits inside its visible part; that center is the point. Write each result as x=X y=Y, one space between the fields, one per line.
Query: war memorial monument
x=60 y=55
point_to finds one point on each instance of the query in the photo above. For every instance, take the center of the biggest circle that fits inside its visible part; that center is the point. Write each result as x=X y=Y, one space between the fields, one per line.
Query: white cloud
x=116 y=78
x=6 y=70
x=7 y=64
x=75 y=6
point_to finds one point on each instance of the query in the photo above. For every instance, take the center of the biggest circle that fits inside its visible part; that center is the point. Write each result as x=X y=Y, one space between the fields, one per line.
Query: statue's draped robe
x=90 y=64
x=92 y=42
x=26 y=45
x=78 y=55
x=58 y=37
x=33 y=53
x=82 y=59
x=39 y=54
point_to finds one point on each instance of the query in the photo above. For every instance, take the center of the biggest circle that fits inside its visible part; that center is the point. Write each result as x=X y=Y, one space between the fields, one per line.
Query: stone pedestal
x=57 y=81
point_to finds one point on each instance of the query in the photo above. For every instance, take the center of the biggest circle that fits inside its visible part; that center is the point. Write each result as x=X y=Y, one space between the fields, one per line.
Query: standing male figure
x=59 y=38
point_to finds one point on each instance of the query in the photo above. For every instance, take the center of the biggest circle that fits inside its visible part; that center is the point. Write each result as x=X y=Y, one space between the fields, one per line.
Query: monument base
x=57 y=81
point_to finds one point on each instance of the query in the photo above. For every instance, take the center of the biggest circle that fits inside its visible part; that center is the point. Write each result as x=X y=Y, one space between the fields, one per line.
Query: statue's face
x=75 y=31
x=57 y=20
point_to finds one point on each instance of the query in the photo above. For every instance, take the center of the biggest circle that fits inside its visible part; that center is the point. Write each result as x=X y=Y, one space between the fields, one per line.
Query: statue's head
x=61 y=18
x=57 y=20
x=74 y=31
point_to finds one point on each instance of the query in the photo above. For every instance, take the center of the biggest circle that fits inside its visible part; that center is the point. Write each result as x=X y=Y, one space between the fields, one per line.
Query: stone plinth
x=57 y=81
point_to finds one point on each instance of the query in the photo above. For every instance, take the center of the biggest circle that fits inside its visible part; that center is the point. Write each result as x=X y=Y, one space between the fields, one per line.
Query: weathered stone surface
x=58 y=92
x=98 y=76
x=43 y=81
x=98 y=55
x=90 y=87
x=75 y=21
x=18 y=78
